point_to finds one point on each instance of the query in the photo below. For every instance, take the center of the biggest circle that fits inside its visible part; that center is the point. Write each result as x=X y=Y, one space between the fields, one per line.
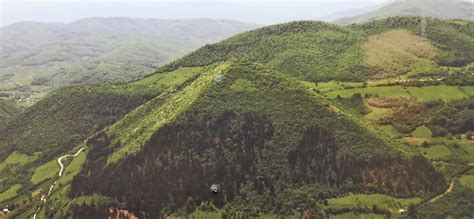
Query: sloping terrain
x=442 y=9
x=317 y=51
x=223 y=128
x=36 y=56
x=7 y=111
x=297 y=119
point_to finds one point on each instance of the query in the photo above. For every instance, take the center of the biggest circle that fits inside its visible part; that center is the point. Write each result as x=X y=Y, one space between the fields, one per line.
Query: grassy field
x=441 y=92
x=428 y=93
x=388 y=91
x=469 y=90
x=422 y=132
x=10 y=193
x=169 y=79
x=467 y=180
x=377 y=113
x=352 y=215
x=368 y=200
x=16 y=158
x=437 y=151
x=45 y=171
x=334 y=85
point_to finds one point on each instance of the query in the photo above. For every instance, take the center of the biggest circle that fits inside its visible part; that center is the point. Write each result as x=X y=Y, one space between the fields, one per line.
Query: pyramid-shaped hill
x=267 y=140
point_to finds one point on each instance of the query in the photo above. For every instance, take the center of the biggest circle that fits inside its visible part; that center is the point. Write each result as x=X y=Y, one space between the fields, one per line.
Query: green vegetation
x=45 y=171
x=422 y=132
x=467 y=181
x=399 y=52
x=218 y=132
x=10 y=193
x=436 y=151
x=388 y=91
x=16 y=158
x=453 y=39
x=369 y=200
x=98 y=50
x=312 y=51
x=457 y=204
x=441 y=92
x=304 y=119
x=454 y=117
x=7 y=111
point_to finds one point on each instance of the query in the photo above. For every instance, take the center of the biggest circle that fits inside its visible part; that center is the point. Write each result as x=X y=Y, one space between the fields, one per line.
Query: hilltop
x=303 y=118
x=223 y=128
x=318 y=52
x=442 y=9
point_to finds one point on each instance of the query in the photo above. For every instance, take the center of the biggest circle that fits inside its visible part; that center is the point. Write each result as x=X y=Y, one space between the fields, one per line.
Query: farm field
x=10 y=193
x=45 y=171
x=369 y=200
x=428 y=93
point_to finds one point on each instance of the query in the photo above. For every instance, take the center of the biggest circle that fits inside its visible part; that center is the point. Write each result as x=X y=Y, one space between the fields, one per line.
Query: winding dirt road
x=450 y=188
x=60 y=173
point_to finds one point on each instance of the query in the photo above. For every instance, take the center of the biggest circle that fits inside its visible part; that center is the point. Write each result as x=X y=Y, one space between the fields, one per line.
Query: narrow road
x=60 y=173
x=450 y=188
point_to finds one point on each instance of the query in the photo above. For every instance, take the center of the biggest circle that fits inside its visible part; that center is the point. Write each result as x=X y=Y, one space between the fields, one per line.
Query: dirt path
x=60 y=173
x=450 y=188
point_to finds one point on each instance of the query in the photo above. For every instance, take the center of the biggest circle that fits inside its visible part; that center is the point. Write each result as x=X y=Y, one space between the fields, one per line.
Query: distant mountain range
x=98 y=50
x=443 y=9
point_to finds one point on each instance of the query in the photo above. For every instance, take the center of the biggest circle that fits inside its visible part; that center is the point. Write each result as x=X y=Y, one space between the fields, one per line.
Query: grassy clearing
x=437 y=151
x=335 y=85
x=16 y=158
x=398 y=52
x=441 y=92
x=469 y=90
x=377 y=113
x=45 y=171
x=352 y=215
x=422 y=132
x=204 y=214
x=368 y=200
x=10 y=193
x=387 y=91
x=467 y=180
x=134 y=129
x=169 y=79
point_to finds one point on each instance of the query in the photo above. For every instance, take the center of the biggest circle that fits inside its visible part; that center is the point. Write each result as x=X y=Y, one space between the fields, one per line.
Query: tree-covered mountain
x=98 y=50
x=317 y=51
x=303 y=119
x=442 y=9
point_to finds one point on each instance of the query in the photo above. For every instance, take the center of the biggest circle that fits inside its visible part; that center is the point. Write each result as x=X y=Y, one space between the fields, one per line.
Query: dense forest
x=260 y=157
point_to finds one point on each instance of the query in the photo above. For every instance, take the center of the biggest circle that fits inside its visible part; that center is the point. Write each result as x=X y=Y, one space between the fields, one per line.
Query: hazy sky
x=257 y=11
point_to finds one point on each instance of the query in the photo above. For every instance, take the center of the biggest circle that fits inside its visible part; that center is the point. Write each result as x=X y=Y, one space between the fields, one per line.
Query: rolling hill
x=296 y=119
x=317 y=51
x=38 y=56
x=442 y=9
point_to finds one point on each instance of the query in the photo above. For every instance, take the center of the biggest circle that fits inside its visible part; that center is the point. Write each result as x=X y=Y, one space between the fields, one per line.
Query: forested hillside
x=317 y=51
x=7 y=111
x=225 y=130
x=303 y=119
